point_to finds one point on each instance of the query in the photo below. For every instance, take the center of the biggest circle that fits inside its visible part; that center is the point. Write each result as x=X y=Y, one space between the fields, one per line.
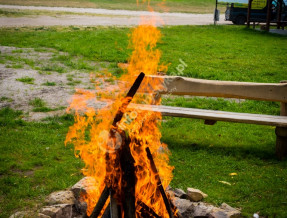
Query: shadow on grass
x=238 y=152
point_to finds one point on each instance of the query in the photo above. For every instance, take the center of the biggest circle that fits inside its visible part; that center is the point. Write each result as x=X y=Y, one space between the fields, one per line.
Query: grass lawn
x=35 y=162
x=193 y=6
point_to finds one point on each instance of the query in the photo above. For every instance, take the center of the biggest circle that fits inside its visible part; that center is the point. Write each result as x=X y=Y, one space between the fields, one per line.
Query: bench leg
x=281 y=142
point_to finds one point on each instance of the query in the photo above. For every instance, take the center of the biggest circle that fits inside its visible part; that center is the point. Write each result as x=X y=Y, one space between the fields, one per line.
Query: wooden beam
x=269 y=7
x=175 y=85
x=249 y=12
x=260 y=119
x=279 y=13
x=281 y=134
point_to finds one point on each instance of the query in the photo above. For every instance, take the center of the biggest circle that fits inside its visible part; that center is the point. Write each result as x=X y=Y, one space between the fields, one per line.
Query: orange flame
x=90 y=133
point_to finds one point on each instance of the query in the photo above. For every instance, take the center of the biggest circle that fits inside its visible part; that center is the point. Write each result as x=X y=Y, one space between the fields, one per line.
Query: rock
x=83 y=186
x=58 y=211
x=231 y=212
x=40 y=215
x=225 y=211
x=170 y=193
x=61 y=197
x=80 y=207
x=19 y=214
x=218 y=213
x=180 y=193
x=226 y=207
x=168 y=188
x=185 y=207
x=195 y=194
x=201 y=209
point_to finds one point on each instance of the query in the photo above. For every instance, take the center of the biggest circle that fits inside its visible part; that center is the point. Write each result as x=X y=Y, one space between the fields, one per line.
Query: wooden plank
x=281 y=134
x=175 y=85
x=268 y=18
x=259 y=119
x=249 y=12
x=279 y=13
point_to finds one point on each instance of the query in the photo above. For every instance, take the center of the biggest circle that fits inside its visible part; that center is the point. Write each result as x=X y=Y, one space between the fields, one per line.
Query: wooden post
x=249 y=12
x=126 y=161
x=128 y=180
x=279 y=13
x=269 y=7
x=281 y=134
x=215 y=12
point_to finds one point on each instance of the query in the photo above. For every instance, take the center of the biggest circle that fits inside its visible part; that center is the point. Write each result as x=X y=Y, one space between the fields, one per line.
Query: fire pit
x=122 y=198
x=121 y=146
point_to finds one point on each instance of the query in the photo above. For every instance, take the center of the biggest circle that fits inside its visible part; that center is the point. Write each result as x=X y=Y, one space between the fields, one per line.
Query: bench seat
x=260 y=119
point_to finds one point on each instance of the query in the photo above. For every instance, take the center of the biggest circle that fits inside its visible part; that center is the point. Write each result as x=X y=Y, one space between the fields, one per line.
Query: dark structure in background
x=275 y=11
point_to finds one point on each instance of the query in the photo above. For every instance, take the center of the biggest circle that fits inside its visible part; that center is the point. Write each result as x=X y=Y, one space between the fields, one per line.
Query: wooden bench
x=240 y=90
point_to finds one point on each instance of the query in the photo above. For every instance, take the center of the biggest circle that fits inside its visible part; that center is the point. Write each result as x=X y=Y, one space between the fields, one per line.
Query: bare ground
x=19 y=95
x=105 y=17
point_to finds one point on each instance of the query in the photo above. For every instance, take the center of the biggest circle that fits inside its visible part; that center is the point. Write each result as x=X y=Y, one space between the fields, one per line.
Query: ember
x=121 y=147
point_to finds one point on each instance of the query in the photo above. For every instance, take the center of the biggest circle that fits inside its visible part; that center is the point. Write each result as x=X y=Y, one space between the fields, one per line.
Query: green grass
x=77 y=64
x=205 y=155
x=74 y=82
x=11 y=13
x=49 y=83
x=7 y=99
x=202 y=155
x=43 y=109
x=53 y=67
x=218 y=53
x=37 y=102
x=15 y=66
x=34 y=161
x=26 y=79
x=41 y=106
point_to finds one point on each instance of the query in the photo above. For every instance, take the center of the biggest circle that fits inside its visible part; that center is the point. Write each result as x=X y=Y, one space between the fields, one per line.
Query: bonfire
x=121 y=146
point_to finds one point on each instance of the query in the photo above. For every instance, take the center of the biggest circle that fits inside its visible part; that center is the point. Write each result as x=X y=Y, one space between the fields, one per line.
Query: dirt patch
x=30 y=81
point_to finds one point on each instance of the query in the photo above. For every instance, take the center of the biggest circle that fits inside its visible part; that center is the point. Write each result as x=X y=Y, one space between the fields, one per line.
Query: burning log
x=114 y=154
x=101 y=202
x=122 y=200
x=126 y=162
x=146 y=211
x=128 y=98
x=160 y=187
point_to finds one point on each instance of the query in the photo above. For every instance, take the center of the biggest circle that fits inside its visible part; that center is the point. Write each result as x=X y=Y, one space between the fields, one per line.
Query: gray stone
x=170 y=193
x=218 y=213
x=231 y=212
x=202 y=209
x=168 y=188
x=19 y=214
x=225 y=211
x=180 y=193
x=185 y=207
x=40 y=215
x=83 y=186
x=61 y=197
x=195 y=194
x=80 y=207
x=58 y=211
